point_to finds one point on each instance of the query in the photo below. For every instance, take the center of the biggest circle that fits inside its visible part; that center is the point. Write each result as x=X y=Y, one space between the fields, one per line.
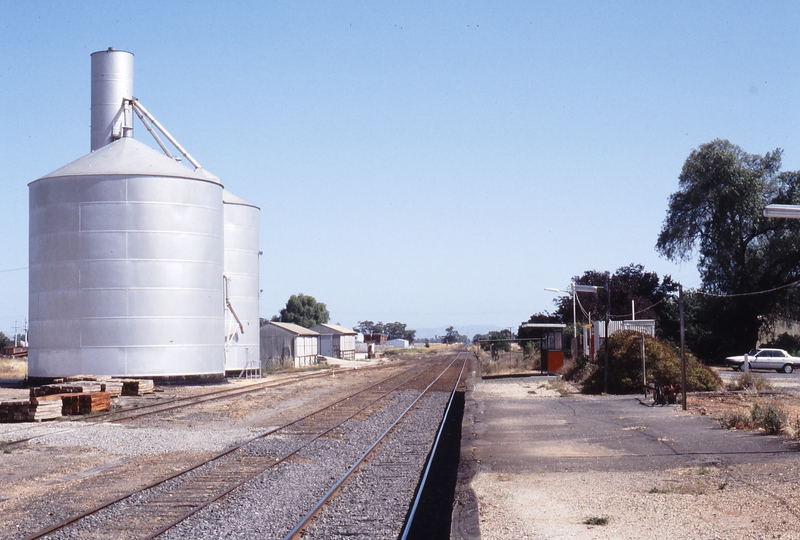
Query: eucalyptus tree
x=303 y=310
x=717 y=214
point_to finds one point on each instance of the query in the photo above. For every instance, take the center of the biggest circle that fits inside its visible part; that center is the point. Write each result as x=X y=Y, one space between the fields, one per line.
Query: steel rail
x=421 y=487
x=64 y=523
x=168 y=405
x=279 y=460
x=295 y=532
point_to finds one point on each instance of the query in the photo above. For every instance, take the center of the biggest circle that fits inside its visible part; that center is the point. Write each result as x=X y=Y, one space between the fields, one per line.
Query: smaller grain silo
x=288 y=345
x=242 y=335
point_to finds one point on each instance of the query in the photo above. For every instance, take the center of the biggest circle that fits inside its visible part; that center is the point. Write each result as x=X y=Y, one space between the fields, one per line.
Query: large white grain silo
x=241 y=226
x=126 y=253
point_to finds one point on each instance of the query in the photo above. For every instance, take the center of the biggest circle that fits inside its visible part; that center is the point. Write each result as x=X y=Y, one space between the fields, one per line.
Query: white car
x=776 y=359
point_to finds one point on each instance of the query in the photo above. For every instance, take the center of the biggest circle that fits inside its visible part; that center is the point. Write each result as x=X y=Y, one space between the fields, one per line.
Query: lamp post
x=574 y=289
x=574 y=318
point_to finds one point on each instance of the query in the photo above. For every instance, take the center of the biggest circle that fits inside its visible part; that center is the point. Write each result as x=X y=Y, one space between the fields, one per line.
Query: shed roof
x=294 y=328
x=334 y=328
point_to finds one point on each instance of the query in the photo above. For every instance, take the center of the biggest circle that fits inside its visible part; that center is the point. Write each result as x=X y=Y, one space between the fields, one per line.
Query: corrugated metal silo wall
x=241 y=229
x=125 y=276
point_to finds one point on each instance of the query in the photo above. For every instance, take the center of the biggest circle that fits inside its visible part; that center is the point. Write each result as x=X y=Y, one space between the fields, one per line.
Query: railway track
x=150 y=409
x=173 y=505
x=335 y=527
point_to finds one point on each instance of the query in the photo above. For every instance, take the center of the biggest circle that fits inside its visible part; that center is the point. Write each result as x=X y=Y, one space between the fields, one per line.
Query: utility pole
x=608 y=321
x=683 y=347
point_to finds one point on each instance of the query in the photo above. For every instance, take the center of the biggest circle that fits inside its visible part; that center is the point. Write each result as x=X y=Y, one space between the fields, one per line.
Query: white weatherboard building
x=127 y=257
x=336 y=341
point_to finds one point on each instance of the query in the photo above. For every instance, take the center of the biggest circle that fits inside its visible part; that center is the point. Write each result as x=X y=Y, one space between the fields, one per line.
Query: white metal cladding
x=126 y=258
x=241 y=226
x=112 y=81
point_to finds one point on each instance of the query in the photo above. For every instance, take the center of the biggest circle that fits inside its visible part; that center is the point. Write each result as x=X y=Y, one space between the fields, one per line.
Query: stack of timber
x=137 y=387
x=107 y=384
x=26 y=410
x=112 y=386
x=86 y=403
x=74 y=387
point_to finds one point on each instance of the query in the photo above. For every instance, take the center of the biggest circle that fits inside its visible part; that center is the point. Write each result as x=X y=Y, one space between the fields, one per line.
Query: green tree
x=4 y=341
x=498 y=340
x=717 y=213
x=303 y=310
x=365 y=327
x=452 y=336
x=395 y=330
x=628 y=284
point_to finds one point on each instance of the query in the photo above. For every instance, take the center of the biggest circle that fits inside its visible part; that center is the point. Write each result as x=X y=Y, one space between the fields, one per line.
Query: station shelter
x=549 y=335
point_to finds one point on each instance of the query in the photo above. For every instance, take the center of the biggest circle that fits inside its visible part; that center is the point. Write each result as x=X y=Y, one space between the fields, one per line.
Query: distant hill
x=467 y=330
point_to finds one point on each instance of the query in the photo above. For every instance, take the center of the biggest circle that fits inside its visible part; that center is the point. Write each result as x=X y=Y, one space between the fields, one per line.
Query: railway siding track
x=297 y=457
x=39 y=430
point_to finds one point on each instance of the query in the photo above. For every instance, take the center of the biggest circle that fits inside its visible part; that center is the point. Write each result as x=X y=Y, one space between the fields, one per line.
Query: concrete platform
x=522 y=446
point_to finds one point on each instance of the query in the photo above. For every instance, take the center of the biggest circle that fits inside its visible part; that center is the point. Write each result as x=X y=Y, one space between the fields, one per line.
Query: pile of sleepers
x=24 y=410
x=137 y=387
x=70 y=396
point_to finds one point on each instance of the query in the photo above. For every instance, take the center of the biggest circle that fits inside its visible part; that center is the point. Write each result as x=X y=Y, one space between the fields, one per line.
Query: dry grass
x=772 y=414
x=508 y=363
x=13 y=368
x=411 y=353
x=749 y=381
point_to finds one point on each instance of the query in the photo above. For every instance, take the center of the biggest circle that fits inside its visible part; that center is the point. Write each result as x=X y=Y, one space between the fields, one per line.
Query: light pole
x=575 y=288
x=574 y=318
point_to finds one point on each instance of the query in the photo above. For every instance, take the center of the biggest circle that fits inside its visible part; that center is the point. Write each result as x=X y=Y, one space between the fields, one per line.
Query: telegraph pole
x=683 y=346
x=608 y=321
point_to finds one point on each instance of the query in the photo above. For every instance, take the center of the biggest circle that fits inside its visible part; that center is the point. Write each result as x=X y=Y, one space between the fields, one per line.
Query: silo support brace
x=139 y=108
x=153 y=133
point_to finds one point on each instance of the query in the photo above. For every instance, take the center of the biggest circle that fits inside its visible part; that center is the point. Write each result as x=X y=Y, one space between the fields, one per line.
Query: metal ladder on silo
x=252 y=367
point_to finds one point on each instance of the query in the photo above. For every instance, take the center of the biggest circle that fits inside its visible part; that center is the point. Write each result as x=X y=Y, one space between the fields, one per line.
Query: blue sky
x=431 y=163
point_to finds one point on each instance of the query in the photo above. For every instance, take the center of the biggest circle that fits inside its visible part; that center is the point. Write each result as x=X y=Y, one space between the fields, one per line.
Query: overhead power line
x=755 y=293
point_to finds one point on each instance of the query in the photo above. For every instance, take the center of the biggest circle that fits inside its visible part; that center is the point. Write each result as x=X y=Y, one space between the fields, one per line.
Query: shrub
x=663 y=366
x=577 y=370
x=749 y=381
x=773 y=420
x=735 y=420
x=770 y=418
